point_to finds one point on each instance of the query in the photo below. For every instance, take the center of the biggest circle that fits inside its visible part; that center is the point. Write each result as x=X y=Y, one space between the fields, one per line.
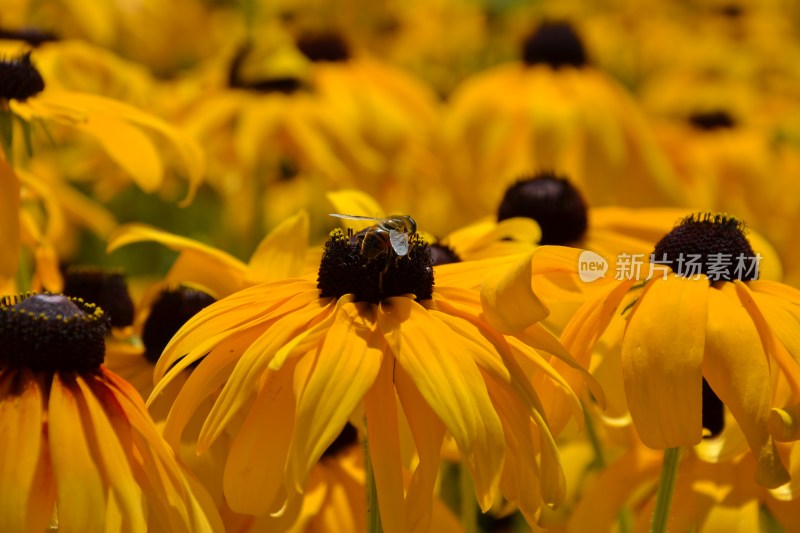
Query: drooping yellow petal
x=81 y=489
x=737 y=369
x=243 y=383
x=428 y=433
x=345 y=368
x=23 y=466
x=130 y=148
x=9 y=219
x=254 y=469
x=281 y=254
x=215 y=270
x=662 y=356
x=509 y=303
x=452 y=385
x=384 y=449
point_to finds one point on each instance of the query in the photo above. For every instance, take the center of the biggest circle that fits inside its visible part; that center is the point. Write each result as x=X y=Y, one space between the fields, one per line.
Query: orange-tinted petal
x=26 y=505
x=81 y=489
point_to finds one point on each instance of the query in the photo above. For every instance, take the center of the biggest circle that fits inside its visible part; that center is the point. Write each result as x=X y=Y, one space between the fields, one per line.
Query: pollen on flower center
x=553 y=202
x=555 y=44
x=107 y=289
x=19 y=79
x=346 y=269
x=173 y=308
x=714 y=245
x=51 y=333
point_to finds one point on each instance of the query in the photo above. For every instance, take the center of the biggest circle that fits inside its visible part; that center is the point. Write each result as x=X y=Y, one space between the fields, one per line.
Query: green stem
x=373 y=511
x=666 y=487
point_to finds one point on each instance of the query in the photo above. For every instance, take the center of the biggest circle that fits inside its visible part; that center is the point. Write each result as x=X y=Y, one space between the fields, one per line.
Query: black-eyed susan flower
x=126 y=134
x=704 y=328
x=558 y=113
x=299 y=358
x=80 y=452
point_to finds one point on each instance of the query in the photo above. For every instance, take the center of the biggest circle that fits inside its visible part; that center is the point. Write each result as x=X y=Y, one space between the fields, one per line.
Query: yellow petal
x=737 y=369
x=662 y=356
x=254 y=469
x=122 y=487
x=243 y=383
x=509 y=303
x=428 y=433
x=28 y=498
x=79 y=482
x=215 y=270
x=384 y=449
x=452 y=385
x=281 y=254
x=355 y=202
x=345 y=368
x=130 y=148
x=9 y=219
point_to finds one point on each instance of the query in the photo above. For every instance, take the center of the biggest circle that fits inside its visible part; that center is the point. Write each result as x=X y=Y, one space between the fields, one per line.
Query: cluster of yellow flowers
x=559 y=289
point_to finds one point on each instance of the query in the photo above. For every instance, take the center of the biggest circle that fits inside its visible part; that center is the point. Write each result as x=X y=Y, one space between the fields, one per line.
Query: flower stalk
x=666 y=488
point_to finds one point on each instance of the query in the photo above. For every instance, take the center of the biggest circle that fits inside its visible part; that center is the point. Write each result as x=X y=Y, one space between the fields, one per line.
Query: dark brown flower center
x=325 y=46
x=714 y=245
x=347 y=438
x=366 y=265
x=107 y=289
x=19 y=79
x=32 y=36
x=713 y=411
x=171 y=310
x=711 y=120
x=555 y=44
x=51 y=333
x=443 y=255
x=553 y=202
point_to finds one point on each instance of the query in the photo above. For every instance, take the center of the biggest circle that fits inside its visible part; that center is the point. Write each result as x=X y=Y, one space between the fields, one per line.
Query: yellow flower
x=124 y=132
x=551 y=111
x=297 y=359
x=79 y=451
x=705 y=317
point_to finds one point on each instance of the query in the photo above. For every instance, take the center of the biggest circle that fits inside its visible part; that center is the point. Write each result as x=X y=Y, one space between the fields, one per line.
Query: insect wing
x=399 y=242
x=354 y=217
